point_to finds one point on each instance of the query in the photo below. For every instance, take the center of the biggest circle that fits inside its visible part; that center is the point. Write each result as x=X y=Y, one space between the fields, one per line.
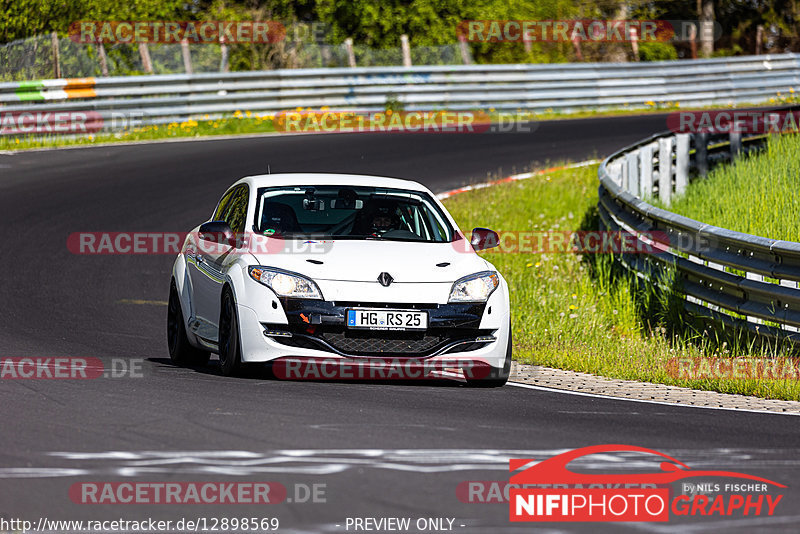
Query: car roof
x=305 y=179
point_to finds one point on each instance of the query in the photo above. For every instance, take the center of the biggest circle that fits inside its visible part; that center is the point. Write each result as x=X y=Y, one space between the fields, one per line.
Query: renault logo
x=385 y=279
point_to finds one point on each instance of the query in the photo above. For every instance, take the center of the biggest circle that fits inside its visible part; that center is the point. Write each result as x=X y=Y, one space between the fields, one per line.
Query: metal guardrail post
x=632 y=162
x=623 y=174
x=665 y=169
x=701 y=153
x=646 y=166
x=736 y=144
x=681 y=163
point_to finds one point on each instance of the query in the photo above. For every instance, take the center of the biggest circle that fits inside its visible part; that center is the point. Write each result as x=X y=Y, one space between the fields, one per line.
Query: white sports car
x=339 y=268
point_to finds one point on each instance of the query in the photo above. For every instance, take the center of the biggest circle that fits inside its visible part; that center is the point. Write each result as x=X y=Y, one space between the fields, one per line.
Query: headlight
x=286 y=284
x=475 y=287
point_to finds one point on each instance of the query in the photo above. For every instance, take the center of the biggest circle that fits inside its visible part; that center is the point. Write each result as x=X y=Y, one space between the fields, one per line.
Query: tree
x=705 y=15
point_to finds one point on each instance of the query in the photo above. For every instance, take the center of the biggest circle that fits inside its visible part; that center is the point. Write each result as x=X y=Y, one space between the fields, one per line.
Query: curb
x=547 y=378
x=515 y=177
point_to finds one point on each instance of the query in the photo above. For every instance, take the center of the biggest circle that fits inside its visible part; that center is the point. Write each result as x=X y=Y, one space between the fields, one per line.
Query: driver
x=382 y=223
x=377 y=218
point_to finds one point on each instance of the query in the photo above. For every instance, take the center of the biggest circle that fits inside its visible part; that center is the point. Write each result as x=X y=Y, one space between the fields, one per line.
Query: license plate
x=387 y=319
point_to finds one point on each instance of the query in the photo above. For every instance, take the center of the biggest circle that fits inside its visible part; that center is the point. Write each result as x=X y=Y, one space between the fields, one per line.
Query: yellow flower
x=530 y=264
x=573 y=307
x=538 y=263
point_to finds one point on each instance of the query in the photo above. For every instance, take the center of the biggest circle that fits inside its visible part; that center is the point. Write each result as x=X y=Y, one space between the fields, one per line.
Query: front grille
x=381 y=345
x=386 y=343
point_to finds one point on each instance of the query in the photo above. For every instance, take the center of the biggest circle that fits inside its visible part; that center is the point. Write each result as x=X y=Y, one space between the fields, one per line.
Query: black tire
x=230 y=346
x=181 y=352
x=497 y=377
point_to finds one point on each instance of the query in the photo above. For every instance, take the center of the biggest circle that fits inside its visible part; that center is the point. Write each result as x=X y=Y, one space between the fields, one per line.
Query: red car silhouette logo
x=554 y=470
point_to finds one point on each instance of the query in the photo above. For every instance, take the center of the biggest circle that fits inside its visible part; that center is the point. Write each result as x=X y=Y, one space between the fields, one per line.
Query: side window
x=219 y=213
x=236 y=211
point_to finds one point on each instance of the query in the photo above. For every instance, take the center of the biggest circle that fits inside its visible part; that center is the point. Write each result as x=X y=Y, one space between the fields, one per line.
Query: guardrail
x=731 y=277
x=562 y=87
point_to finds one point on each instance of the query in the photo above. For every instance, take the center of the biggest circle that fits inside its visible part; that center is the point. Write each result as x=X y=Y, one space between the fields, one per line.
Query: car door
x=215 y=261
x=200 y=277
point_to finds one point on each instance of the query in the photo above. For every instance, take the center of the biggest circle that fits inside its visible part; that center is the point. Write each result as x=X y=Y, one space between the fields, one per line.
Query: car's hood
x=365 y=260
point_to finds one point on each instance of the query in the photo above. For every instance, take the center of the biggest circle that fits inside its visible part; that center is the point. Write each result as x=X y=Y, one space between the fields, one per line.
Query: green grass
x=756 y=195
x=236 y=125
x=584 y=312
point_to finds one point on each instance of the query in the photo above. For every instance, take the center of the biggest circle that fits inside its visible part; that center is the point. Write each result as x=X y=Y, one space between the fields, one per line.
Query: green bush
x=657 y=51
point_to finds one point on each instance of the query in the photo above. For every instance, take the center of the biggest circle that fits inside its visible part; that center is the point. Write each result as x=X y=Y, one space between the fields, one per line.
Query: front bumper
x=316 y=329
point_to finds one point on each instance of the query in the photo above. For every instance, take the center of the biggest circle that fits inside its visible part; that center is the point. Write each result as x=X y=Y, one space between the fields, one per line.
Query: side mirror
x=217 y=232
x=483 y=238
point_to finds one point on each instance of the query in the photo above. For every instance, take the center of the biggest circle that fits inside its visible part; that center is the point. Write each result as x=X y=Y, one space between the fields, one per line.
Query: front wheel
x=497 y=377
x=230 y=347
x=181 y=352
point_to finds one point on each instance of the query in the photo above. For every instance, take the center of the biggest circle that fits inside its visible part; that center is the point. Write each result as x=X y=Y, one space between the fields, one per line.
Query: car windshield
x=342 y=212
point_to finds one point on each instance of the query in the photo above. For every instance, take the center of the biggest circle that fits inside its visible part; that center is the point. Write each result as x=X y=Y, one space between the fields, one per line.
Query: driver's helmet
x=384 y=219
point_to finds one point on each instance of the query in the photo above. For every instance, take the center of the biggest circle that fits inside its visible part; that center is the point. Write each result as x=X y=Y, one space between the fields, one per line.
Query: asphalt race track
x=376 y=450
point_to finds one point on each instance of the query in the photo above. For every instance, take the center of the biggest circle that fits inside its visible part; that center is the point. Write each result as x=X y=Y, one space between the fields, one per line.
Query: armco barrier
x=734 y=278
x=560 y=87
